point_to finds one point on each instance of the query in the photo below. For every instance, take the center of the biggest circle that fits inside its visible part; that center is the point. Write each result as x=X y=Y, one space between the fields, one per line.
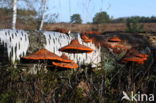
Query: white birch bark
x=43 y=9
x=42 y=22
x=14 y=17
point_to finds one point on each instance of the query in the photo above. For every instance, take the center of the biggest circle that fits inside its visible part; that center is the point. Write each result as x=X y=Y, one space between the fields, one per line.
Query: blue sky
x=88 y=8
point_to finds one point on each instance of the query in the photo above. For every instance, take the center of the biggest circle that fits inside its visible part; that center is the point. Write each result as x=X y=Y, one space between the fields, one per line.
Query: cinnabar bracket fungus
x=114 y=39
x=65 y=65
x=42 y=55
x=66 y=59
x=71 y=65
x=91 y=32
x=133 y=59
x=134 y=56
x=61 y=30
x=116 y=44
x=136 y=53
x=85 y=38
x=76 y=47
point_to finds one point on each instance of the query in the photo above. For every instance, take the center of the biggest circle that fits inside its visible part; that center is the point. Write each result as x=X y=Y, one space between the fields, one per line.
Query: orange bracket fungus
x=114 y=39
x=71 y=65
x=66 y=59
x=134 y=56
x=68 y=65
x=92 y=32
x=86 y=39
x=134 y=59
x=76 y=47
x=43 y=54
x=61 y=30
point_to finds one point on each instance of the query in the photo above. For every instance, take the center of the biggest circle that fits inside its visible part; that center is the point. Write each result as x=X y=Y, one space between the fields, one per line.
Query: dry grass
x=110 y=27
x=116 y=27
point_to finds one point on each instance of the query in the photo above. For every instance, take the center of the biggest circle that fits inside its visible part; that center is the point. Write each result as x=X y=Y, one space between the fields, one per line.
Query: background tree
x=133 y=26
x=76 y=18
x=13 y=4
x=14 y=17
x=101 y=17
x=13 y=12
x=140 y=19
x=42 y=11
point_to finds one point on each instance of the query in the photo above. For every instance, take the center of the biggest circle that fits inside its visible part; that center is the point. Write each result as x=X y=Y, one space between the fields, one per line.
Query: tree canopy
x=140 y=19
x=101 y=17
x=76 y=19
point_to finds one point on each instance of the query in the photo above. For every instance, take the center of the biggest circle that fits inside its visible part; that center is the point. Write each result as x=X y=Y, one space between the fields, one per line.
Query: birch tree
x=31 y=4
x=42 y=13
x=14 y=8
x=14 y=17
x=13 y=3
